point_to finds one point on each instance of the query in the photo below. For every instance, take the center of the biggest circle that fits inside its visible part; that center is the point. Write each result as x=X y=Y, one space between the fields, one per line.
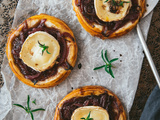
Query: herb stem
x=108 y=64
x=118 y=3
x=28 y=100
x=88 y=117
x=44 y=48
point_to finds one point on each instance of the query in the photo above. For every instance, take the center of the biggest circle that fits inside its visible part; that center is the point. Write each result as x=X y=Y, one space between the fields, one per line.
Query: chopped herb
x=44 y=48
x=117 y=3
x=106 y=1
x=108 y=64
x=114 y=2
x=28 y=109
x=34 y=101
x=88 y=117
x=122 y=2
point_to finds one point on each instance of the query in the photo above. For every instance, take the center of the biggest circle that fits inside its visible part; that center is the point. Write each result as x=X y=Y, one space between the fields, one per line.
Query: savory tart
x=90 y=101
x=108 y=18
x=42 y=51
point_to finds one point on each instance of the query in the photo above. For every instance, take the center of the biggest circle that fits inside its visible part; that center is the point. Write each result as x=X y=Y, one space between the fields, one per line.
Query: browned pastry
x=90 y=96
x=93 y=17
x=59 y=68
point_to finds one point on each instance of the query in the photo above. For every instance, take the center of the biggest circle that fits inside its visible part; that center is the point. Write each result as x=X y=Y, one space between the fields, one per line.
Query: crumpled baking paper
x=127 y=48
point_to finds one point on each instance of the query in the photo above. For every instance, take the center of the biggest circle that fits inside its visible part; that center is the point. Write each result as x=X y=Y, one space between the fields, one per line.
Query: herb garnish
x=44 y=47
x=108 y=64
x=117 y=3
x=34 y=101
x=88 y=117
x=122 y=2
x=28 y=109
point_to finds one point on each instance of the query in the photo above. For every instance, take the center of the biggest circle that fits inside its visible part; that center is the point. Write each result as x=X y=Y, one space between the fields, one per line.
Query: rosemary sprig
x=117 y=3
x=88 y=117
x=108 y=64
x=122 y=2
x=44 y=48
x=28 y=109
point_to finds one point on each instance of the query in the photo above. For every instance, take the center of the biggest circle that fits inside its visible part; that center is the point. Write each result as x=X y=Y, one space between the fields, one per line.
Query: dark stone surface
x=147 y=80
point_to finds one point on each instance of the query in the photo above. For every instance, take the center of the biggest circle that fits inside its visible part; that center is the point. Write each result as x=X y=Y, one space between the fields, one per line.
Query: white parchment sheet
x=126 y=73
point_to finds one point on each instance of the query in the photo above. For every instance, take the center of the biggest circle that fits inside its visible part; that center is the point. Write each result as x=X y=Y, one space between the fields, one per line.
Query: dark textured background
x=147 y=80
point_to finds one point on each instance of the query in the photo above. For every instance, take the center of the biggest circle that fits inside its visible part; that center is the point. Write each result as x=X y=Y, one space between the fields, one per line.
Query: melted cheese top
x=103 y=10
x=31 y=52
x=96 y=112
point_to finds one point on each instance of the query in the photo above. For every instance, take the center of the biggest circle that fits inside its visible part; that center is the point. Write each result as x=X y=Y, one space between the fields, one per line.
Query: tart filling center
x=95 y=112
x=40 y=51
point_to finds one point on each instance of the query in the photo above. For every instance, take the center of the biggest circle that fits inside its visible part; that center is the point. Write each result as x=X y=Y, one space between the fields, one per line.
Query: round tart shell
x=86 y=91
x=97 y=32
x=61 y=72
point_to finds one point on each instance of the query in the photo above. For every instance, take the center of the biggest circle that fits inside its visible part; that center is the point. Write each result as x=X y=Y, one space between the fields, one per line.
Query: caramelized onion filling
x=105 y=101
x=28 y=72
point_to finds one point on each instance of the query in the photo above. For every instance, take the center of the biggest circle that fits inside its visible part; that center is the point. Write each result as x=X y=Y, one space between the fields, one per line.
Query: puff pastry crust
x=96 y=30
x=62 y=73
x=89 y=91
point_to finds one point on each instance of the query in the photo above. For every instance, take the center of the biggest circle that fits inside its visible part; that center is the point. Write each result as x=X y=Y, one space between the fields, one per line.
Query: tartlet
x=55 y=73
x=90 y=96
x=87 y=16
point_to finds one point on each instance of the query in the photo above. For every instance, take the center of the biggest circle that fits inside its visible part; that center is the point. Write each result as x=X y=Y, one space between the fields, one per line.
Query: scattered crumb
x=31 y=53
x=120 y=60
x=120 y=54
x=103 y=6
x=113 y=50
x=72 y=88
x=143 y=52
x=147 y=5
x=79 y=65
x=92 y=77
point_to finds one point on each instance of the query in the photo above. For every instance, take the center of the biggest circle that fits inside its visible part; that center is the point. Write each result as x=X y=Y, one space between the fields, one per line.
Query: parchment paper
x=127 y=48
